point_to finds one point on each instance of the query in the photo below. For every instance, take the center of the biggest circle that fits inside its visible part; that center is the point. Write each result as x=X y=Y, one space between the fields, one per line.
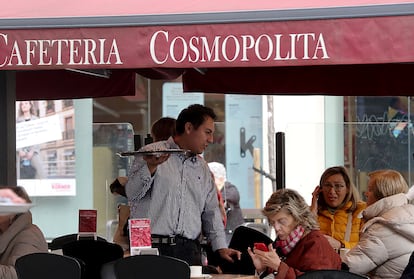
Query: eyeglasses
x=337 y=186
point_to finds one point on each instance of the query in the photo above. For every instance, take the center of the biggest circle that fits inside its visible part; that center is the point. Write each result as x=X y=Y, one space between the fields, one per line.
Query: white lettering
x=247 y=43
x=90 y=47
x=184 y=49
x=58 y=52
x=193 y=47
x=230 y=48
x=30 y=51
x=320 y=46
x=269 y=47
x=224 y=49
x=43 y=52
x=74 y=52
x=4 y=37
x=152 y=47
x=114 y=51
x=305 y=44
x=15 y=52
x=206 y=49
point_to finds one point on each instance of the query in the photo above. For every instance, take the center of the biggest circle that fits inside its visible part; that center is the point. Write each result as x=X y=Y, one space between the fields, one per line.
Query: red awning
x=261 y=44
x=238 y=42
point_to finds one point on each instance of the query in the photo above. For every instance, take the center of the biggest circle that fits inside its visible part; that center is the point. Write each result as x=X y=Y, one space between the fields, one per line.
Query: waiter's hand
x=228 y=254
x=154 y=160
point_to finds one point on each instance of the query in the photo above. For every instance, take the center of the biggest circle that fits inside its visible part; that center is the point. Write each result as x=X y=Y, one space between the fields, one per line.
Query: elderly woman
x=337 y=204
x=387 y=237
x=18 y=237
x=299 y=246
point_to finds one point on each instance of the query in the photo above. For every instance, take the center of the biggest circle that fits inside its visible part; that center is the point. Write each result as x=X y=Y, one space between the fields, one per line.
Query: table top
x=231 y=276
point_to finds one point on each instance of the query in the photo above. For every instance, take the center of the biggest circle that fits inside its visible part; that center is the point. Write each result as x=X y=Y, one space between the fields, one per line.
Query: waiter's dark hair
x=196 y=114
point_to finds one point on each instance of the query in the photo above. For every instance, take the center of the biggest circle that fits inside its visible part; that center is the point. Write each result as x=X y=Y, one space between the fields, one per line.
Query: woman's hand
x=315 y=196
x=262 y=259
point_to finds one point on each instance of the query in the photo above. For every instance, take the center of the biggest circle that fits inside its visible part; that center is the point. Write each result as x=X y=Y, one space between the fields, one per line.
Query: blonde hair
x=387 y=183
x=293 y=203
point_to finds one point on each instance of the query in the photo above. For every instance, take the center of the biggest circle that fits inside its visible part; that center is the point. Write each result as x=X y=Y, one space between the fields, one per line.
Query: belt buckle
x=172 y=240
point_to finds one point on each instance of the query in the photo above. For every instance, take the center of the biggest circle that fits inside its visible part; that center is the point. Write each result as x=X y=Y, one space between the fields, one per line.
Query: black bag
x=27 y=171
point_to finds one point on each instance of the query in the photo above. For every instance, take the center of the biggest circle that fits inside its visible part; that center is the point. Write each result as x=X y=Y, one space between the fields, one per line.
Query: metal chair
x=94 y=254
x=331 y=274
x=147 y=266
x=48 y=266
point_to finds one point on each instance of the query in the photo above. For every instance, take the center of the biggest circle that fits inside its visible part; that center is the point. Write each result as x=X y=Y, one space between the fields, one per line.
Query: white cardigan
x=387 y=239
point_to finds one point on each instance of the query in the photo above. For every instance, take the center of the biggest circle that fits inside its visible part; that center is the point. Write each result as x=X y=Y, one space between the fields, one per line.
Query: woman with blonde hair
x=337 y=204
x=387 y=237
x=299 y=246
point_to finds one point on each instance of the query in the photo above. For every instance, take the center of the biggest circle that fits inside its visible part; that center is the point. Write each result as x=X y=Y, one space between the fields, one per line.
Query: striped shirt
x=180 y=198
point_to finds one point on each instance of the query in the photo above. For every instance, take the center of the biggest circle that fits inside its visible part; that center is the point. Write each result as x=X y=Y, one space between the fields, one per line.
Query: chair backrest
x=94 y=254
x=409 y=269
x=48 y=266
x=262 y=227
x=147 y=266
x=242 y=238
x=58 y=242
x=330 y=274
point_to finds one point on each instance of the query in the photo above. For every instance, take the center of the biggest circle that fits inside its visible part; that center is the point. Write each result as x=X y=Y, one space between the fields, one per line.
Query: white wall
x=313 y=139
x=59 y=215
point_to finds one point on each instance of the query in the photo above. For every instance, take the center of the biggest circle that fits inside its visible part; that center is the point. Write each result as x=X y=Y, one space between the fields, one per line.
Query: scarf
x=293 y=238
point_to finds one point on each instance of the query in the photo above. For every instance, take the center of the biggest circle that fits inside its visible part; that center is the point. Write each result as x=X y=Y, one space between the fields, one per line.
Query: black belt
x=169 y=240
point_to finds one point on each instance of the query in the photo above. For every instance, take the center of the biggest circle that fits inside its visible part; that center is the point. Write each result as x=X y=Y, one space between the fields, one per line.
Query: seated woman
x=299 y=246
x=337 y=204
x=387 y=237
x=18 y=237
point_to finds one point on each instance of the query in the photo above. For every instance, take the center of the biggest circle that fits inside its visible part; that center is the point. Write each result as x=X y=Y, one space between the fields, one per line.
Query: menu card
x=139 y=235
x=87 y=221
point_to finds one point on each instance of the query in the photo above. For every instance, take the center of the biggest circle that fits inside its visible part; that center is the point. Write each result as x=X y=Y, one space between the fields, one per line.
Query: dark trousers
x=185 y=249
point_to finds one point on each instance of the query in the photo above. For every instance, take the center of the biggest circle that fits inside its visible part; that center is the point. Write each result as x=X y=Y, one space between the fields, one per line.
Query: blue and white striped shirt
x=180 y=198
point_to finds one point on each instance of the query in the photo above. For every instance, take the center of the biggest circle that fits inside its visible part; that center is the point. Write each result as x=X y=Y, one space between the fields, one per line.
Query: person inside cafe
x=177 y=192
x=231 y=197
x=387 y=237
x=18 y=235
x=299 y=246
x=117 y=188
x=338 y=206
x=163 y=128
